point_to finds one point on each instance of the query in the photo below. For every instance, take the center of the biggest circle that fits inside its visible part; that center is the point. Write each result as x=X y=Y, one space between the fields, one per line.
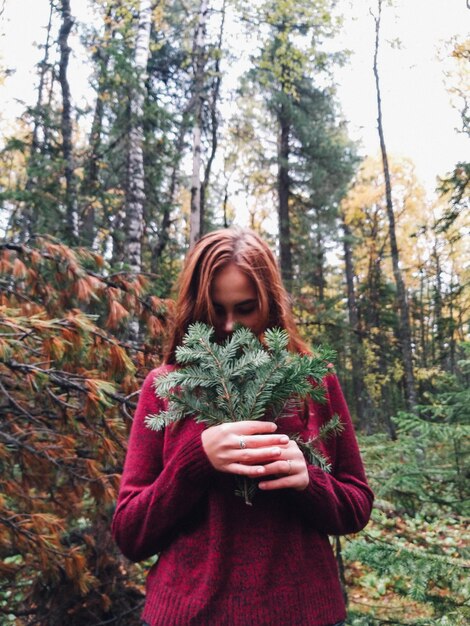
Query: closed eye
x=246 y=309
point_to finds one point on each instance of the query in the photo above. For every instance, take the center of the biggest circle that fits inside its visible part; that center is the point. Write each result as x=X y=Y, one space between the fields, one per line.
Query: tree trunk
x=438 y=322
x=404 y=328
x=67 y=147
x=199 y=59
x=319 y=263
x=283 y=187
x=454 y=285
x=422 y=321
x=356 y=349
x=164 y=234
x=31 y=211
x=91 y=179
x=214 y=119
x=135 y=192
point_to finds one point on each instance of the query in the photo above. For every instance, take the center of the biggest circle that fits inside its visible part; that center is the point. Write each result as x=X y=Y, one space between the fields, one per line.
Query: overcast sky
x=419 y=120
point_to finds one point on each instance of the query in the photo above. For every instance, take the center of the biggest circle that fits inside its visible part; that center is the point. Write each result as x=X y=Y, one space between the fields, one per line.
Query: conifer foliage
x=67 y=386
x=243 y=379
x=416 y=546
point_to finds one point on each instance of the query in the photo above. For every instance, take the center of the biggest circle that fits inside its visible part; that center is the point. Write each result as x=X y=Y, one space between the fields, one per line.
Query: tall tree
x=135 y=191
x=213 y=115
x=30 y=219
x=404 y=329
x=357 y=361
x=71 y=210
x=91 y=180
x=198 y=96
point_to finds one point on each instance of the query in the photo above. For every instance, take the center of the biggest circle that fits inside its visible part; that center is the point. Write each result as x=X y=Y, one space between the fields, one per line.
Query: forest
x=99 y=203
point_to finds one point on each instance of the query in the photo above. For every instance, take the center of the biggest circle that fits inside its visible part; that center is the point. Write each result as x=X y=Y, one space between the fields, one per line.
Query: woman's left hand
x=290 y=470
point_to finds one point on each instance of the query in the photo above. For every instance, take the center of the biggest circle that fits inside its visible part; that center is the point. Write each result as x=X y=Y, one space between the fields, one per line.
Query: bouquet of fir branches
x=244 y=379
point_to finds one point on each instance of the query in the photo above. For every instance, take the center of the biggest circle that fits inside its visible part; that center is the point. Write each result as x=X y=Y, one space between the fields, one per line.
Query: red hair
x=253 y=257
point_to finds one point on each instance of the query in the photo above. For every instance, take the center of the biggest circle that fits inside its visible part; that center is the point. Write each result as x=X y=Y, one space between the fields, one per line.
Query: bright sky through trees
x=419 y=120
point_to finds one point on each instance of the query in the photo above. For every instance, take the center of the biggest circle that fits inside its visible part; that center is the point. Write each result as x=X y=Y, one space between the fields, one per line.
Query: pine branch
x=244 y=379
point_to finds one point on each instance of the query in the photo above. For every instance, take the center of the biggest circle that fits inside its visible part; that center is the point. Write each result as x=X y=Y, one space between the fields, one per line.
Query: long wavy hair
x=252 y=256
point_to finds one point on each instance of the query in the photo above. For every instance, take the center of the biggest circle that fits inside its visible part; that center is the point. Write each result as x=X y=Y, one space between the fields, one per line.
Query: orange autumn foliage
x=68 y=382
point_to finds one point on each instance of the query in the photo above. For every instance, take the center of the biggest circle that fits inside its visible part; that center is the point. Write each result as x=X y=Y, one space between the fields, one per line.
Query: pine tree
x=243 y=379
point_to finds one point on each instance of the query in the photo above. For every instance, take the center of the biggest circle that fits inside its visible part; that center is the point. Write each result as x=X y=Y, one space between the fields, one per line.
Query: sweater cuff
x=195 y=465
x=315 y=490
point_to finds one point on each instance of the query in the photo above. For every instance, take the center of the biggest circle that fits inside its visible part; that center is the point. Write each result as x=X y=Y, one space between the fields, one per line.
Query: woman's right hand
x=243 y=448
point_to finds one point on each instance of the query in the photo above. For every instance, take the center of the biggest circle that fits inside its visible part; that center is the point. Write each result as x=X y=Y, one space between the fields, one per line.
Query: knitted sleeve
x=341 y=502
x=154 y=495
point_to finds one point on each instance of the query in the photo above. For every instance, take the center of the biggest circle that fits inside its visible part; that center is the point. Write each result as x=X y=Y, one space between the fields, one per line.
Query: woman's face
x=234 y=299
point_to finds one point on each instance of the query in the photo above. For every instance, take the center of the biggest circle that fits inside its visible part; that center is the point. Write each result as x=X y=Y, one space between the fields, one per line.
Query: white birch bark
x=199 y=64
x=135 y=192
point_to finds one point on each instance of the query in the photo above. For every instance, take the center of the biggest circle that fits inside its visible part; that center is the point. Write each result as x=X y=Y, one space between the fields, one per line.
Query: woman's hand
x=252 y=448
x=243 y=447
x=290 y=470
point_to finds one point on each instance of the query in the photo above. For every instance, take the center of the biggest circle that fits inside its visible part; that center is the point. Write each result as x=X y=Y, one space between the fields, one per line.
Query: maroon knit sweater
x=223 y=563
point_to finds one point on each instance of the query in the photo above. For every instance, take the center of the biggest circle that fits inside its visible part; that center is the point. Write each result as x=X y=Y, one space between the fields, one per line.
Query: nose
x=229 y=323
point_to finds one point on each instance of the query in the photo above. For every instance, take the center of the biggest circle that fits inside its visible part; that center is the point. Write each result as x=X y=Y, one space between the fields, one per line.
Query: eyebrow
x=243 y=302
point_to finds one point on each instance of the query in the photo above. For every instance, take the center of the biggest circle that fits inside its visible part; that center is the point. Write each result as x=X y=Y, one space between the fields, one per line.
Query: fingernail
x=276 y=451
x=284 y=439
x=260 y=470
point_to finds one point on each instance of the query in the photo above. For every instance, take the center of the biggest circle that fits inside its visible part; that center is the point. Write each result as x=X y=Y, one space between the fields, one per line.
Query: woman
x=222 y=562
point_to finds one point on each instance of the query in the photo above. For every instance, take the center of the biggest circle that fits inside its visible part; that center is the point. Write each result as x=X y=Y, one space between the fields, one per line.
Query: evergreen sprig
x=243 y=379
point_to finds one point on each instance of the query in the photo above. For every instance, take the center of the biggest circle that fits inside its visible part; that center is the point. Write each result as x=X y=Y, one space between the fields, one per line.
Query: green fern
x=243 y=379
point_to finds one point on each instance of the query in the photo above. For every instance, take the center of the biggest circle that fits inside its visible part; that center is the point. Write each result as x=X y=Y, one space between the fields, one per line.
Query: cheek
x=257 y=322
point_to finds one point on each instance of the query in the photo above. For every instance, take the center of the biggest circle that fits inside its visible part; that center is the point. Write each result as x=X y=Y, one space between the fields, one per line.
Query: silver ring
x=290 y=466
x=242 y=443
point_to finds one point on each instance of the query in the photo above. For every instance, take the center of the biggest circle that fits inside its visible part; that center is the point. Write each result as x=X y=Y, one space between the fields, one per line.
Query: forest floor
x=386 y=599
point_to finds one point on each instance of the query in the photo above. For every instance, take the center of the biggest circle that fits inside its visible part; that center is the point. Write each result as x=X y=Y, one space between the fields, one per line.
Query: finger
x=259 y=441
x=245 y=470
x=256 y=455
x=249 y=427
x=282 y=466
x=286 y=482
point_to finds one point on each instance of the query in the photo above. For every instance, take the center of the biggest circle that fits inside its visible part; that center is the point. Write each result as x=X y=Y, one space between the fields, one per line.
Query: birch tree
x=199 y=62
x=135 y=192
x=91 y=182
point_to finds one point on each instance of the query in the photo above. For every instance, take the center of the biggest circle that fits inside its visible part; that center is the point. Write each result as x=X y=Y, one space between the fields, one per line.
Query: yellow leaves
x=158 y=16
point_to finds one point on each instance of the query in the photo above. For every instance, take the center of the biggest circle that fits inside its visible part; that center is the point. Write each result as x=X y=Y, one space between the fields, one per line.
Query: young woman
x=221 y=562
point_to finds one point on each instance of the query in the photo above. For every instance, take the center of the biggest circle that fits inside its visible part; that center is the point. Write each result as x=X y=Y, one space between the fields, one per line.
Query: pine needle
x=244 y=379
